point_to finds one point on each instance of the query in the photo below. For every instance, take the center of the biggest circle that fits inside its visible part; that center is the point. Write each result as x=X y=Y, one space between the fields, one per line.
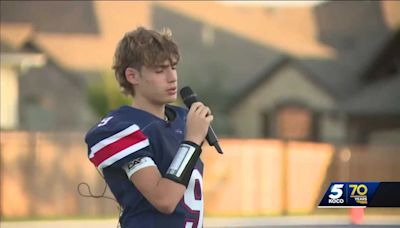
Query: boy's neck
x=155 y=109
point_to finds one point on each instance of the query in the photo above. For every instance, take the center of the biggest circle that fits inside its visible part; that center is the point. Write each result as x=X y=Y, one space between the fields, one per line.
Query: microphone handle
x=189 y=97
x=213 y=140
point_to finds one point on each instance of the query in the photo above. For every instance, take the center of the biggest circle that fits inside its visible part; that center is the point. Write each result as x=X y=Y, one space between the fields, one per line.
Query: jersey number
x=193 y=200
x=104 y=121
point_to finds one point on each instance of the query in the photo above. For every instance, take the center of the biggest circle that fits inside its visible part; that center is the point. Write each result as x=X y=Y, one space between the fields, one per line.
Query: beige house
x=285 y=100
x=311 y=75
x=289 y=102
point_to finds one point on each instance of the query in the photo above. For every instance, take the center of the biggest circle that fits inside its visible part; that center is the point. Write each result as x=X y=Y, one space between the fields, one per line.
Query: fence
x=40 y=173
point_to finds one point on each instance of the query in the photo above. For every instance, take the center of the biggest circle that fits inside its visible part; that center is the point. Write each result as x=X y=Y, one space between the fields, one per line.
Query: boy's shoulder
x=118 y=120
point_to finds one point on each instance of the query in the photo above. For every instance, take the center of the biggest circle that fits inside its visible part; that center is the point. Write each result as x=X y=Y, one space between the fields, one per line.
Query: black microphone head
x=186 y=92
x=188 y=96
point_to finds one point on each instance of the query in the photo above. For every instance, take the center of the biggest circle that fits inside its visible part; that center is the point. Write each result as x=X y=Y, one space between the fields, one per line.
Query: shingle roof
x=335 y=41
x=279 y=28
x=380 y=92
x=52 y=16
x=78 y=48
x=219 y=71
x=357 y=31
x=249 y=40
x=381 y=97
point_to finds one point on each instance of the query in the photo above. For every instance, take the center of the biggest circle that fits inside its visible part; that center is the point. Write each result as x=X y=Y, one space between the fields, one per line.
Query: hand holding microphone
x=198 y=120
x=197 y=128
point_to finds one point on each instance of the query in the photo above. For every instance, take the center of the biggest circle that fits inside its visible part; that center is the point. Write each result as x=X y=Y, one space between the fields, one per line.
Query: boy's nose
x=172 y=75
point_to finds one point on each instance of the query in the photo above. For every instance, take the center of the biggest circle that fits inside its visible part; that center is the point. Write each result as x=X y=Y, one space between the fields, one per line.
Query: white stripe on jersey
x=109 y=161
x=113 y=138
x=137 y=164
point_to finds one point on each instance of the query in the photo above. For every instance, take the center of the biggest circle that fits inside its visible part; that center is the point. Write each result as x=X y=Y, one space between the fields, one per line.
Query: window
x=294 y=122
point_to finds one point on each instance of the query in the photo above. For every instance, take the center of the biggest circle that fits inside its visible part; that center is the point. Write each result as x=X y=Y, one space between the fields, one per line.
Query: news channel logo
x=349 y=194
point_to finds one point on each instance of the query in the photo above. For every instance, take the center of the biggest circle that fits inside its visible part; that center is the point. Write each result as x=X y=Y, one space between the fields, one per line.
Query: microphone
x=189 y=97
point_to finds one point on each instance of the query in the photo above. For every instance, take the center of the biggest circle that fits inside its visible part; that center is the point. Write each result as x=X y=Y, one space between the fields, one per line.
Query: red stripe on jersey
x=117 y=146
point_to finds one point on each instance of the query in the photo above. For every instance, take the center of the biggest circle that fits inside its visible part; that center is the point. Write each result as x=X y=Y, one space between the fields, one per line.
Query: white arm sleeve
x=137 y=164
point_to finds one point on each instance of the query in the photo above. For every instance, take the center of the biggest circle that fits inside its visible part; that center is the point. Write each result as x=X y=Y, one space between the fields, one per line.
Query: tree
x=105 y=94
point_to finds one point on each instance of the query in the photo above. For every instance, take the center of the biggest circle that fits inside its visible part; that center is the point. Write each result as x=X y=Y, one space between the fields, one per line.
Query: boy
x=149 y=152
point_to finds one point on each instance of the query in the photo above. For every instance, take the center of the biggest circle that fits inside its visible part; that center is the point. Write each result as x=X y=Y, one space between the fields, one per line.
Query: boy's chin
x=170 y=100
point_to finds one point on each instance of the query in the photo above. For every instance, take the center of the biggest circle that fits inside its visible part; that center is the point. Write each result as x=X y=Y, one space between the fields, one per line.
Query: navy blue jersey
x=126 y=134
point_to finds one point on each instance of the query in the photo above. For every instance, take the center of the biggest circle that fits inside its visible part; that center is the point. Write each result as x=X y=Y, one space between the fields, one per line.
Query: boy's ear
x=132 y=75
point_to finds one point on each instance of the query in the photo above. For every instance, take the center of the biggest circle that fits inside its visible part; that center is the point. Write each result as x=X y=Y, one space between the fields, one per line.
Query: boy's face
x=158 y=85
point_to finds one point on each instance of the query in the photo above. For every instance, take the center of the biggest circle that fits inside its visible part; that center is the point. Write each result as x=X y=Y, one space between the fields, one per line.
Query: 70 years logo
x=348 y=194
x=359 y=193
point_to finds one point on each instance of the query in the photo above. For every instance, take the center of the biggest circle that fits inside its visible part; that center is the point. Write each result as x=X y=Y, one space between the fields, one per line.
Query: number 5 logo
x=337 y=189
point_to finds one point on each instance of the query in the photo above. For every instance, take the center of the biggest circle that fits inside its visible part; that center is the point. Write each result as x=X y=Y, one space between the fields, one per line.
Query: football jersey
x=126 y=134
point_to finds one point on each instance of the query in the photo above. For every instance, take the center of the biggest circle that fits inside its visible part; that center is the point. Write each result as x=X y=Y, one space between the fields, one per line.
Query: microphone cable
x=89 y=194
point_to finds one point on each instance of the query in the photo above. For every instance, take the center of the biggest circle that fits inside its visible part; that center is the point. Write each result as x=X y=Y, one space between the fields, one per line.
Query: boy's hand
x=198 y=122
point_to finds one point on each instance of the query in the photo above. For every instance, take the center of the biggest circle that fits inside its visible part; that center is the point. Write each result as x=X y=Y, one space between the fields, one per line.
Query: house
x=263 y=73
x=349 y=98
x=374 y=111
x=275 y=89
x=77 y=39
x=13 y=62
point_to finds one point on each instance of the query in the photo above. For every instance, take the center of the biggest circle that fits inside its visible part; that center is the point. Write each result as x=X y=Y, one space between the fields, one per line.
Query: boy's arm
x=164 y=193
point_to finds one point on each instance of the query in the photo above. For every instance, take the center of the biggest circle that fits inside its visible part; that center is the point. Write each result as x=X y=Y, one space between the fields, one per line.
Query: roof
x=357 y=31
x=20 y=56
x=355 y=43
x=47 y=16
x=101 y=24
x=268 y=26
x=219 y=71
x=381 y=88
x=334 y=42
x=91 y=29
x=391 y=52
x=378 y=98
x=270 y=71
x=16 y=34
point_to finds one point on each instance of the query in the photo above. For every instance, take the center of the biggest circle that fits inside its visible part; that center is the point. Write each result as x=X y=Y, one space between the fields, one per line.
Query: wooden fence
x=40 y=173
